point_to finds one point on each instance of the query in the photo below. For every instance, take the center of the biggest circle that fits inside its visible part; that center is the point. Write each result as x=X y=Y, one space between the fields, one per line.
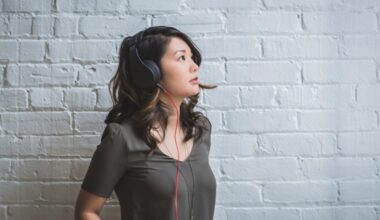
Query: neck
x=172 y=118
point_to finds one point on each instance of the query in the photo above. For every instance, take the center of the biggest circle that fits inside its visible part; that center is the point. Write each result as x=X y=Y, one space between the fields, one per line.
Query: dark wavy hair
x=142 y=106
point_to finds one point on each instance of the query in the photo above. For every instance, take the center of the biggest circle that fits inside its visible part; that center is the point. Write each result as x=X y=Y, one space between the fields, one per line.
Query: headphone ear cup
x=154 y=69
x=145 y=74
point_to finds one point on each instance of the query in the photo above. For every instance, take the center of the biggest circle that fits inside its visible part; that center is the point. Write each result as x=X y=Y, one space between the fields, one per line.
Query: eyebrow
x=183 y=50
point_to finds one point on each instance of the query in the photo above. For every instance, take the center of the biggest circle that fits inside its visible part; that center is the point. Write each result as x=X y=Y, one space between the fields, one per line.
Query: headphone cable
x=175 y=140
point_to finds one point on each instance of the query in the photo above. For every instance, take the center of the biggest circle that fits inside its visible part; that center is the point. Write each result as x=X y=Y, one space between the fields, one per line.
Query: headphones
x=145 y=74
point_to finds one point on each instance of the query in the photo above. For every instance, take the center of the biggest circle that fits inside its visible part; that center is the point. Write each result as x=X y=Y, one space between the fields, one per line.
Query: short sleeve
x=209 y=125
x=207 y=136
x=108 y=163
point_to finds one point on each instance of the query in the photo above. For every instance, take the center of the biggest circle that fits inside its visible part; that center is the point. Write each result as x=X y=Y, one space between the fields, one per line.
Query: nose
x=194 y=67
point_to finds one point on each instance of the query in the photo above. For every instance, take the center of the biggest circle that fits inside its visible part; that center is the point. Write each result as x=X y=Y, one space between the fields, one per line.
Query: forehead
x=177 y=43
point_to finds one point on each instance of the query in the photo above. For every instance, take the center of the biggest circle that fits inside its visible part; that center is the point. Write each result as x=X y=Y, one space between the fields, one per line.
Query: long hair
x=142 y=106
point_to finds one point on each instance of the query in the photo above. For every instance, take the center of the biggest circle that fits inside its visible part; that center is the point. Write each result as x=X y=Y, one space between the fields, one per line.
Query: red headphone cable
x=177 y=162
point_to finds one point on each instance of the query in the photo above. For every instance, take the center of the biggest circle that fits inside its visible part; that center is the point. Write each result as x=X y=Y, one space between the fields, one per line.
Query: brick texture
x=296 y=116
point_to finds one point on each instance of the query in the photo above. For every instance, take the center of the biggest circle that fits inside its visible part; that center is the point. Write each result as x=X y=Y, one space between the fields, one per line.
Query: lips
x=194 y=79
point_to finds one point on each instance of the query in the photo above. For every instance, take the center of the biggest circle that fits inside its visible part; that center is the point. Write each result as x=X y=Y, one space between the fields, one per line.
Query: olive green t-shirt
x=145 y=185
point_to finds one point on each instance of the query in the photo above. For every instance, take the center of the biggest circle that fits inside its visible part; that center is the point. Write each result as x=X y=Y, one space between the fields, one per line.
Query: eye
x=181 y=57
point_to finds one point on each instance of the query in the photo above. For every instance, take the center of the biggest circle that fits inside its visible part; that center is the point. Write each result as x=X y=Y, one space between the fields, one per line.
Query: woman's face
x=178 y=69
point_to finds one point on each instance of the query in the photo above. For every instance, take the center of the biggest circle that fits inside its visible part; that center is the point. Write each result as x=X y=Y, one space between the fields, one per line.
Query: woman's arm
x=88 y=206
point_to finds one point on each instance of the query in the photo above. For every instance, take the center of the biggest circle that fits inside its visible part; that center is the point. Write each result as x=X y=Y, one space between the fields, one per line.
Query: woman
x=154 y=149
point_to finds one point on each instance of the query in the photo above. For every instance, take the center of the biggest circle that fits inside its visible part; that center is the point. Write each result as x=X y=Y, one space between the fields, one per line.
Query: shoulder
x=205 y=122
x=113 y=126
x=209 y=125
x=127 y=132
x=114 y=130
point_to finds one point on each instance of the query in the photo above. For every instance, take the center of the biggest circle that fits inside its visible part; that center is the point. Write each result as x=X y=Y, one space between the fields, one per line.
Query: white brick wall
x=296 y=116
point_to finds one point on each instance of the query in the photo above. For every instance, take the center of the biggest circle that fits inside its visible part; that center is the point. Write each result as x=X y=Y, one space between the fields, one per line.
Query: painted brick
x=348 y=22
x=27 y=6
x=47 y=98
x=264 y=72
x=80 y=99
x=300 y=192
x=337 y=120
x=32 y=169
x=305 y=47
x=342 y=71
x=222 y=4
x=40 y=212
x=297 y=144
x=366 y=46
x=369 y=191
x=238 y=193
x=106 y=26
x=104 y=98
x=13 y=99
x=347 y=168
x=66 y=26
x=269 y=169
x=192 y=22
x=229 y=47
x=20 y=25
x=9 y=50
x=261 y=120
x=43 y=26
x=295 y=117
x=340 y=213
x=268 y=22
x=363 y=143
x=41 y=74
x=32 y=51
x=36 y=122
x=151 y=5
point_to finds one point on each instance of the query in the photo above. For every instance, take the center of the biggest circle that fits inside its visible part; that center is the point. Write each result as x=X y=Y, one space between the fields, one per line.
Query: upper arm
x=108 y=164
x=88 y=203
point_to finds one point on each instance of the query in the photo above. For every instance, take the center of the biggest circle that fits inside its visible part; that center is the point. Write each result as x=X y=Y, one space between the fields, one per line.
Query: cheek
x=176 y=83
x=172 y=73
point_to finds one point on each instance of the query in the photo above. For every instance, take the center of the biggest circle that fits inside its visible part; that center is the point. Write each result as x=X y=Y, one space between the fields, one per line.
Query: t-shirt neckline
x=195 y=143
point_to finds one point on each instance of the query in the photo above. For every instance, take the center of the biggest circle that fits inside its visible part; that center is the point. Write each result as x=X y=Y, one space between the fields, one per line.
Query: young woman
x=154 y=149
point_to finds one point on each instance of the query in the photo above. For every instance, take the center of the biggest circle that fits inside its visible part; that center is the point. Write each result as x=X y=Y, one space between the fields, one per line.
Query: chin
x=190 y=91
x=195 y=91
